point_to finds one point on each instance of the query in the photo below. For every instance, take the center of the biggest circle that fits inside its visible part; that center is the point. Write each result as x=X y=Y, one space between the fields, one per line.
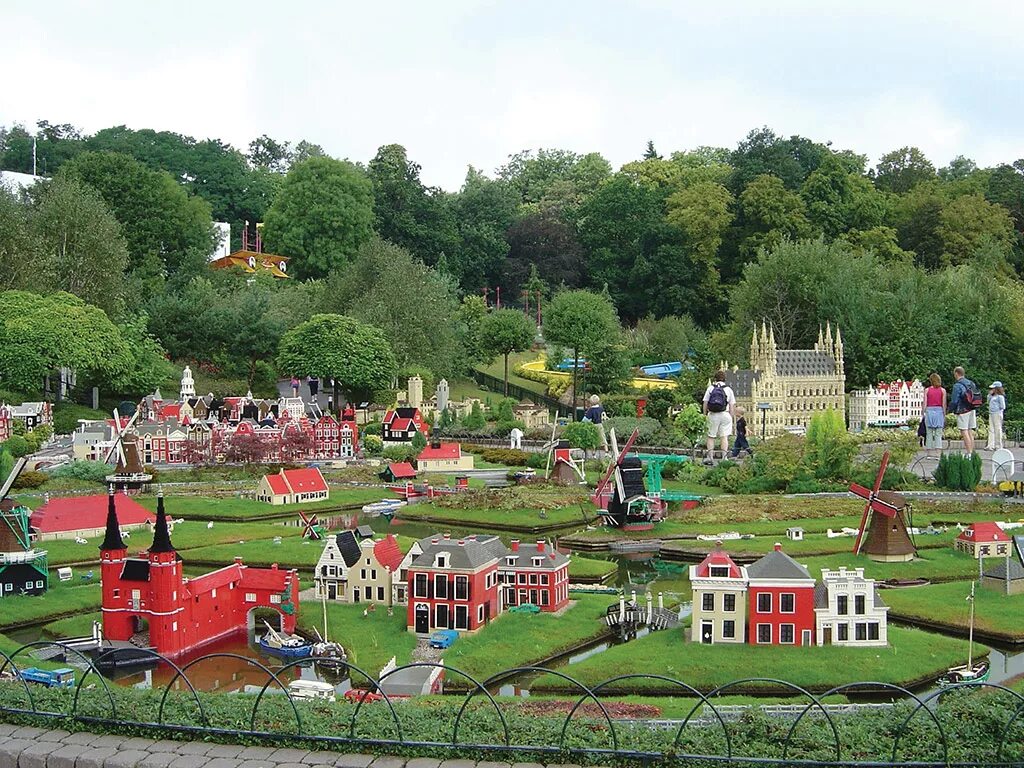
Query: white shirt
x=730 y=398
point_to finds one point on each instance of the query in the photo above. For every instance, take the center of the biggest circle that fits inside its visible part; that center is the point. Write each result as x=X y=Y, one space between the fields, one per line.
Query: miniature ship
x=285 y=645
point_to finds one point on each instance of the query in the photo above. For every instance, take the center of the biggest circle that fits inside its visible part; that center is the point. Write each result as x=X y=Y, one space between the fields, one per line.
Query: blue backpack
x=717 y=400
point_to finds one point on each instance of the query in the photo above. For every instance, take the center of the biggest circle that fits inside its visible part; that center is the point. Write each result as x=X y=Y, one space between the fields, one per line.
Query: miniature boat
x=972 y=671
x=903 y=583
x=285 y=645
x=725 y=536
x=311 y=689
x=383 y=507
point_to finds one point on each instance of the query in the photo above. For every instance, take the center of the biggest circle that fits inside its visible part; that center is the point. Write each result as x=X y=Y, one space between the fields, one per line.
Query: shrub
x=399 y=453
x=373 y=444
x=419 y=442
x=624 y=426
x=691 y=424
x=958 y=472
x=804 y=484
x=582 y=434
x=373 y=428
x=31 y=479
x=17 y=446
x=92 y=471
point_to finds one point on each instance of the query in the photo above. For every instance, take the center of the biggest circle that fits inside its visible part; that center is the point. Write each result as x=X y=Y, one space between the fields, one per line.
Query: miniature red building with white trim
x=535 y=574
x=780 y=608
x=983 y=540
x=293 y=486
x=149 y=599
x=453 y=583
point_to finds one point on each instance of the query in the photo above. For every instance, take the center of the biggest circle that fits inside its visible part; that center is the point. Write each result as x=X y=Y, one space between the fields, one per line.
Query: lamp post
x=764 y=408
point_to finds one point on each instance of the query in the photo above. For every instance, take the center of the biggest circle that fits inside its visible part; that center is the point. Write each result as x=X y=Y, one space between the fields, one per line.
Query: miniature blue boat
x=284 y=645
x=662 y=370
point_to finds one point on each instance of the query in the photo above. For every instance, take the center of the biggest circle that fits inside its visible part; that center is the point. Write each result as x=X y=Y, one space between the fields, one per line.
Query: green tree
x=356 y=355
x=763 y=152
x=484 y=209
x=419 y=442
x=828 y=448
x=583 y=322
x=468 y=317
x=474 y=420
x=321 y=216
x=17 y=446
x=918 y=220
x=903 y=169
x=505 y=331
x=702 y=212
x=20 y=253
x=583 y=436
x=690 y=424
x=967 y=222
x=838 y=201
x=545 y=246
x=769 y=213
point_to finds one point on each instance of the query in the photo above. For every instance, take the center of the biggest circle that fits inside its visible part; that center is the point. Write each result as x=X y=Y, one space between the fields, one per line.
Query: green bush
x=624 y=426
x=31 y=479
x=399 y=453
x=17 y=446
x=958 y=472
x=373 y=428
x=503 y=428
x=92 y=471
x=372 y=444
x=511 y=457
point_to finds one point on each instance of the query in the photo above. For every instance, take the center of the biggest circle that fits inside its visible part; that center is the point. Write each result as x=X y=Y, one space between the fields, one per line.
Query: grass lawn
x=942 y=563
x=524 y=519
x=369 y=640
x=233 y=508
x=590 y=568
x=702 y=490
x=462 y=388
x=947 y=604
x=293 y=552
x=520 y=639
x=497 y=369
x=73 y=626
x=61 y=599
x=913 y=656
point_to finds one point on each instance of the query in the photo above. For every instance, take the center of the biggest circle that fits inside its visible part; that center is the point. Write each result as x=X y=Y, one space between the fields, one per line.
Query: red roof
x=274 y=579
x=401 y=425
x=388 y=553
x=278 y=486
x=402 y=469
x=718 y=557
x=74 y=513
x=222 y=577
x=305 y=480
x=442 y=451
x=983 y=532
x=171 y=411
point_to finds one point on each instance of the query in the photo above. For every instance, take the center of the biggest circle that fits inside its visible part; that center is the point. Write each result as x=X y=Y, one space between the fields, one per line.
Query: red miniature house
x=780 y=608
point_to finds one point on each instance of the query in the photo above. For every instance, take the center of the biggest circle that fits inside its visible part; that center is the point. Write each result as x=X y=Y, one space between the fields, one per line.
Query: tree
x=903 y=169
x=321 y=216
x=583 y=436
x=763 y=152
x=419 y=442
x=828 y=446
x=665 y=340
x=918 y=219
x=583 y=322
x=474 y=420
x=20 y=255
x=17 y=446
x=545 y=244
x=769 y=214
x=505 y=331
x=270 y=154
x=484 y=209
x=356 y=355
x=838 y=201
x=967 y=222
x=247 y=448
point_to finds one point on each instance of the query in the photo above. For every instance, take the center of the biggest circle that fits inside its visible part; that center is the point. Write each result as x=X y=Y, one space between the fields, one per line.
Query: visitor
x=963 y=407
x=996 y=408
x=934 y=414
x=314 y=388
x=719 y=404
x=595 y=415
x=740 y=443
x=295 y=386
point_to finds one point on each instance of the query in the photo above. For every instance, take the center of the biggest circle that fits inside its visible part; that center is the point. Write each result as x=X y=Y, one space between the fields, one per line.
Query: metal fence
x=497 y=386
x=810 y=732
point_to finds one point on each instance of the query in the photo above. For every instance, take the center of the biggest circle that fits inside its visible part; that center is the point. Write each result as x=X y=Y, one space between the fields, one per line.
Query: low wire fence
x=977 y=724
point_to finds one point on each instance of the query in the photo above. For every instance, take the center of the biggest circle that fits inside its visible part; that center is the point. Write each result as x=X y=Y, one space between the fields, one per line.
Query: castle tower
x=442 y=393
x=165 y=588
x=819 y=346
x=839 y=353
x=415 y=392
x=770 y=357
x=188 y=386
x=755 y=352
x=117 y=623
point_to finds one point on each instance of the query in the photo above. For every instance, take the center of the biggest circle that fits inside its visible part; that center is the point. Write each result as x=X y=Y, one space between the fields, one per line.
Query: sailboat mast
x=323 y=601
x=970 y=635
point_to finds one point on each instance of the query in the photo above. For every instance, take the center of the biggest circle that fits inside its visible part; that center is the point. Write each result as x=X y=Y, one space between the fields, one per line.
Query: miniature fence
x=931 y=730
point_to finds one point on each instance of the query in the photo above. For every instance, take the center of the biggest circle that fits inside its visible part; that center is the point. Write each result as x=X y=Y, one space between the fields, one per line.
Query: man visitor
x=966 y=398
x=719 y=406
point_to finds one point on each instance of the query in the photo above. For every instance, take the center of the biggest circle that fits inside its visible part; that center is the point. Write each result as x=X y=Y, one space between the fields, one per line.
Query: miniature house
x=1007 y=575
x=293 y=486
x=719 y=599
x=848 y=609
x=780 y=601
x=983 y=540
x=795 y=534
x=443 y=457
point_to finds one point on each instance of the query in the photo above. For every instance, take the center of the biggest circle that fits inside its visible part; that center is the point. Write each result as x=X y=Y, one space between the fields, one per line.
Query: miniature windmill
x=561 y=466
x=23 y=569
x=621 y=495
x=311 y=528
x=883 y=534
x=130 y=474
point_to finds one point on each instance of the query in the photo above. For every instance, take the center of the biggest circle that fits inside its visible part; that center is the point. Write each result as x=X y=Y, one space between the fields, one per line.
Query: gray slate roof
x=777 y=565
x=349 y=547
x=998 y=571
x=473 y=552
x=742 y=381
x=524 y=558
x=804 y=362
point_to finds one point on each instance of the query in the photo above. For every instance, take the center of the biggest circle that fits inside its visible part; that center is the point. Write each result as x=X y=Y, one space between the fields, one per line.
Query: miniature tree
x=690 y=423
x=503 y=332
x=583 y=435
x=419 y=442
x=474 y=420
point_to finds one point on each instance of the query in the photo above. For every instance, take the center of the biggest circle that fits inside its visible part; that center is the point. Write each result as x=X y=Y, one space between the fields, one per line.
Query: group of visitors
x=964 y=402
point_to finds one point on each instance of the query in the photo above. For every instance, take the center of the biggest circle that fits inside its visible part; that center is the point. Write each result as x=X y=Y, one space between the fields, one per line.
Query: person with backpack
x=966 y=399
x=719 y=406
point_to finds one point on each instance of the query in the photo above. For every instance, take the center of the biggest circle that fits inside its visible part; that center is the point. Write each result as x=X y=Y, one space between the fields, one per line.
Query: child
x=740 y=444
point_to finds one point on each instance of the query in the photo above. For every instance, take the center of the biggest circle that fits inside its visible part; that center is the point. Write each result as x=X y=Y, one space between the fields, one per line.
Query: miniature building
x=188 y=385
x=890 y=404
x=400 y=579
x=532 y=416
x=1007 y=575
x=400 y=471
x=534 y=574
x=443 y=457
x=780 y=601
x=251 y=260
x=330 y=577
x=400 y=424
x=23 y=568
x=719 y=599
x=148 y=601
x=351 y=571
x=453 y=583
x=32 y=414
x=795 y=383
x=983 y=540
x=565 y=470
x=83 y=517
x=848 y=609
x=293 y=486
x=795 y=533
x=442 y=395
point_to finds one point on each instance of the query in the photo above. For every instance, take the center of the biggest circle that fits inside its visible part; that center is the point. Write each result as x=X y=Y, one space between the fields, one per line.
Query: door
x=422 y=619
x=828 y=636
x=355 y=594
x=805 y=637
x=707 y=632
x=332 y=591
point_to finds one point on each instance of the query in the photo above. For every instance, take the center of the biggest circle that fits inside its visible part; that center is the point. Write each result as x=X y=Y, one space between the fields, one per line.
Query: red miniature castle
x=150 y=593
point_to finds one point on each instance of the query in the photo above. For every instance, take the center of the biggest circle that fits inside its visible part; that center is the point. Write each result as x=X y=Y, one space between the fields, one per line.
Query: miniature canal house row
x=330 y=580
x=148 y=601
x=535 y=574
x=849 y=610
x=23 y=568
x=891 y=404
x=719 y=599
x=293 y=486
x=780 y=601
x=983 y=540
x=351 y=571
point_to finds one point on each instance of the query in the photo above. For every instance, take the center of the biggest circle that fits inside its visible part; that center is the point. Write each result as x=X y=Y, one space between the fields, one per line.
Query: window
x=708 y=601
x=117 y=593
x=441 y=586
x=442 y=561
x=764 y=603
x=544 y=597
x=174 y=626
x=719 y=571
x=462 y=588
x=522 y=578
x=362 y=574
x=544 y=579
x=250 y=597
x=441 y=615
x=538 y=562
x=419 y=585
x=764 y=633
x=373 y=574
x=275 y=599
x=787 y=602
x=479 y=614
x=533 y=579
x=510 y=560
x=786 y=633
x=729 y=628
x=729 y=602
x=213 y=593
x=873 y=630
x=380 y=594
x=842 y=605
x=843 y=632
x=858 y=604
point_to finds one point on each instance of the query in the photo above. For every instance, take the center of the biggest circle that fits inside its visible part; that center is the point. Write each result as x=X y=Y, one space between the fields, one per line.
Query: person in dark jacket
x=740 y=443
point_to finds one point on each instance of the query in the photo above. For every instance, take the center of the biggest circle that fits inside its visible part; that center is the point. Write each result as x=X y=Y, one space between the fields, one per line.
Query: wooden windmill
x=311 y=528
x=130 y=473
x=883 y=533
x=621 y=495
x=561 y=466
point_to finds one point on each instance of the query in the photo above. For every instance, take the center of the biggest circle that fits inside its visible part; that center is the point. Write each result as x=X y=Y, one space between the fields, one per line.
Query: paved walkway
x=30 y=747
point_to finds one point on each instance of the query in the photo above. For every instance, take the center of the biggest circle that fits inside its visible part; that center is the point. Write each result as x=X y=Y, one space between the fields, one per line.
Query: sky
x=470 y=83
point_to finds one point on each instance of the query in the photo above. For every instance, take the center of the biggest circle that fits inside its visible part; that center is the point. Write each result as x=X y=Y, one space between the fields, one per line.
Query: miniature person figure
x=996 y=408
x=515 y=438
x=740 y=443
x=934 y=414
x=719 y=405
x=595 y=415
x=314 y=387
x=966 y=419
x=295 y=386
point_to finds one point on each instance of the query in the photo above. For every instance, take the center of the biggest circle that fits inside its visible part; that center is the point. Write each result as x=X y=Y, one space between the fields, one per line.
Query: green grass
x=462 y=388
x=697 y=488
x=67 y=414
x=233 y=508
x=524 y=519
x=590 y=568
x=73 y=626
x=369 y=640
x=942 y=563
x=497 y=369
x=521 y=639
x=947 y=604
x=61 y=599
x=292 y=552
x=913 y=656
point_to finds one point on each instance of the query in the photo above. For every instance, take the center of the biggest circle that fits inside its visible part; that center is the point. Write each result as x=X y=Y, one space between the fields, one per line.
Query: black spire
x=161 y=536
x=112 y=538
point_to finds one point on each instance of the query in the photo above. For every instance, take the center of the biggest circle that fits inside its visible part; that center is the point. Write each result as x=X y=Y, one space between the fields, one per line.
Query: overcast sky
x=468 y=83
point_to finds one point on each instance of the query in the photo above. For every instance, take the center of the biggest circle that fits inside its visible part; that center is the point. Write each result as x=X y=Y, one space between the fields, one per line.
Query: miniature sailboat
x=325 y=652
x=972 y=671
x=283 y=644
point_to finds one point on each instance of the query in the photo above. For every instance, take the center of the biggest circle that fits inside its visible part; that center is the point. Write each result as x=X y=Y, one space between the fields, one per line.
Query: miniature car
x=355 y=695
x=443 y=638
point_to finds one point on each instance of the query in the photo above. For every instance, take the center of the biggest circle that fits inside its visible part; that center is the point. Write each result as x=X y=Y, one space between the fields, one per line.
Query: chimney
x=778 y=547
x=238 y=561
x=515 y=545
x=462 y=542
x=273 y=566
x=436 y=540
x=540 y=545
x=447 y=536
x=435 y=443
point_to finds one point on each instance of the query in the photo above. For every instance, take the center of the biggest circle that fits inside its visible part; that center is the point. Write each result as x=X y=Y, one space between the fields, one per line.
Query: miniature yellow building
x=794 y=383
